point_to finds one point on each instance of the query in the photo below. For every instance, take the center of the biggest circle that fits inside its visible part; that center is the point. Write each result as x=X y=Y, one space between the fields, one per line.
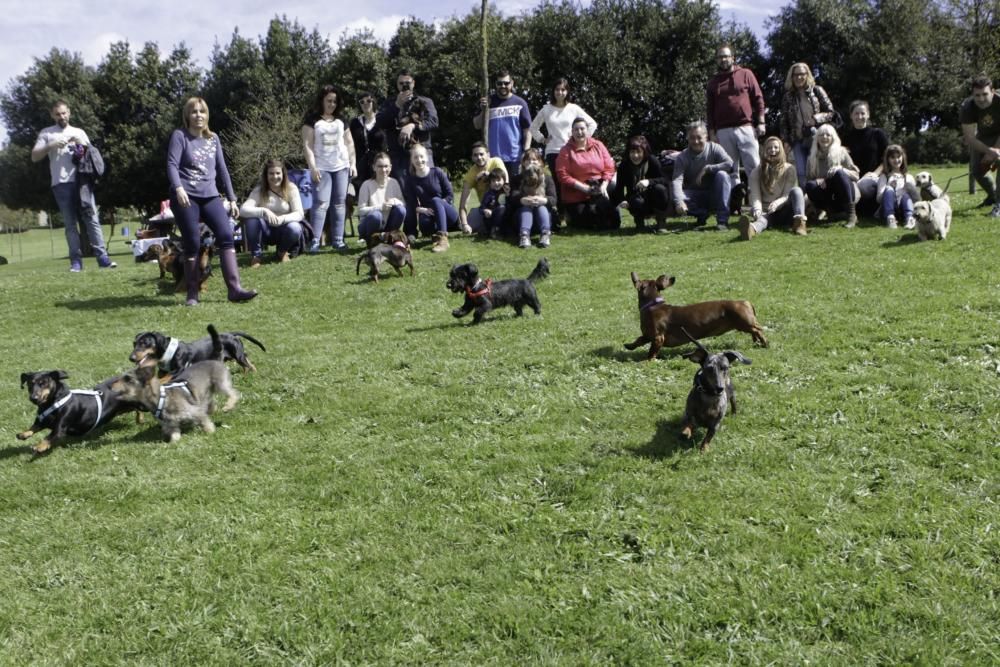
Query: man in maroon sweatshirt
x=735 y=112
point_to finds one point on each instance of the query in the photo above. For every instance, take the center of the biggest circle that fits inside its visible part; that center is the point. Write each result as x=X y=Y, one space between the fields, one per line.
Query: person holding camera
x=407 y=119
x=584 y=170
x=60 y=142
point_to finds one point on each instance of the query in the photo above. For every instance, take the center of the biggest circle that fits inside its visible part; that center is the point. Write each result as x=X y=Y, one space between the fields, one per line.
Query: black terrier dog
x=482 y=296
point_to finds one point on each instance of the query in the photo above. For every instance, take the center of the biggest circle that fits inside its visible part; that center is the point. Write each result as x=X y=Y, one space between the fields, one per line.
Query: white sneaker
x=890 y=222
x=995 y=213
x=911 y=223
x=544 y=240
x=525 y=241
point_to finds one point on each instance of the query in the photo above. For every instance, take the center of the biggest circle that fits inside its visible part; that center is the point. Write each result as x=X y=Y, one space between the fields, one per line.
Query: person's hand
x=482 y=176
x=233 y=209
x=821 y=182
x=623 y=205
x=756 y=213
x=403 y=98
x=405 y=133
x=535 y=200
x=773 y=206
x=643 y=184
x=423 y=210
x=270 y=217
x=484 y=103
x=701 y=175
x=761 y=130
x=487 y=213
x=833 y=172
x=870 y=174
x=604 y=189
x=59 y=142
x=354 y=171
x=681 y=208
x=315 y=175
x=392 y=201
x=995 y=152
x=182 y=198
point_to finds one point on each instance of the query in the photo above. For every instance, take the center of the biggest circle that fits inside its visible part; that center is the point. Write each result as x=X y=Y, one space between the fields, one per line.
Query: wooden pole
x=486 y=74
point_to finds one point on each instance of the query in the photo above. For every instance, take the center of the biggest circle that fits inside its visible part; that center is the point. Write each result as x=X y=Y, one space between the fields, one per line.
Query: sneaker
x=339 y=247
x=314 y=247
x=411 y=240
x=890 y=222
x=494 y=233
x=525 y=241
x=76 y=266
x=440 y=243
x=544 y=240
x=700 y=222
x=911 y=223
x=722 y=226
x=747 y=231
x=105 y=262
x=995 y=213
x=255 y=262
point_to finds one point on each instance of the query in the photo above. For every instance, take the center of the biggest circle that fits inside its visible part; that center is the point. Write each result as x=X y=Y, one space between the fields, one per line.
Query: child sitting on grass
x=897 y=190
x=494 y=203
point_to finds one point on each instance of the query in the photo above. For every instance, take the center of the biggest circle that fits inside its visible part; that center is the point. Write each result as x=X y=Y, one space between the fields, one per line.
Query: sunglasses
x=504 y=83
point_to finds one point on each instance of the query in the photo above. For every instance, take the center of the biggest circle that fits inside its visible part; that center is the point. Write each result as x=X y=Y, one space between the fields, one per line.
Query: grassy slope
x=396 y=487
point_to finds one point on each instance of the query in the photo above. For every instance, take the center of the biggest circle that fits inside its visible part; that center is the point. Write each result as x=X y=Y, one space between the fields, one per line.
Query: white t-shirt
x=559 y=123
x=329 y=146
x=61 y=166
x=373 y=198
x=287 y=210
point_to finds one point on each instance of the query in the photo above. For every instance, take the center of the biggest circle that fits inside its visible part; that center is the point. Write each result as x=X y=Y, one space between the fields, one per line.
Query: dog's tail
x=540 y=272
x=217 y=350
x=250 y=338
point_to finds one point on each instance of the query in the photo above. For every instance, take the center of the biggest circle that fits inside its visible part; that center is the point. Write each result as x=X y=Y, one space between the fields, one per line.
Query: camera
x=406 y=85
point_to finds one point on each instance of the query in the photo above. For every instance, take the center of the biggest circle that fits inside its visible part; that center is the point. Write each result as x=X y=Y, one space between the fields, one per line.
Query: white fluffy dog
x=929 y=191
x=933 y=218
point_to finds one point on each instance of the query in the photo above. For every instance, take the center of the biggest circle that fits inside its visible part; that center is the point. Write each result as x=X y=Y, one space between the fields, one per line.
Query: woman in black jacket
x=641 y=188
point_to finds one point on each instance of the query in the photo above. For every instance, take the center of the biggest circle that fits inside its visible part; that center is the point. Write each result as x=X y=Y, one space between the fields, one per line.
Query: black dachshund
x=482 y=296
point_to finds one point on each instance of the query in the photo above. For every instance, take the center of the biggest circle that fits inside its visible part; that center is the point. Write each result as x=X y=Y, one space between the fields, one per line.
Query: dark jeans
x=445 y=217
x=595 y=213
x=654 y=200
x=260 y=234
x=202 y=209
x=835 y=197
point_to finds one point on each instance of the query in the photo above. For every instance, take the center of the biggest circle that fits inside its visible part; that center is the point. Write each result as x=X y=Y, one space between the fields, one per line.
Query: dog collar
x=484 y=289
x=168 y=355
x=163 y=396
x=654 y=302
x=42 y=415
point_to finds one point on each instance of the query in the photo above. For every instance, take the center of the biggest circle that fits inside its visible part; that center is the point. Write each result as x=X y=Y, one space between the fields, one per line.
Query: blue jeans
x=259 y=234
x=202 y=209
x=332 y=188
x=800 y=155
x=73 y=211
x=891 y=204
x=794 y=205
x=701 y=203
x=375 y=222
x=534 y=217
x=835 y=196
x=445 y=217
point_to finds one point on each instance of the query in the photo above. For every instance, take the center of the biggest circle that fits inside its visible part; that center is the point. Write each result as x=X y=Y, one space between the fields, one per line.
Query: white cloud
x=383 y=28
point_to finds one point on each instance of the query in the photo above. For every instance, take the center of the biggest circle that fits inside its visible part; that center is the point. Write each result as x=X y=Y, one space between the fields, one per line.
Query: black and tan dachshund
x=172 y=354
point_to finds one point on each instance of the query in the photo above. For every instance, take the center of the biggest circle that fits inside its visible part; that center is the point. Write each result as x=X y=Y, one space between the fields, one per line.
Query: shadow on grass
x=666 y=442
x=150 y=433
x=905 y=240
x=618 y=354
x=117 y=302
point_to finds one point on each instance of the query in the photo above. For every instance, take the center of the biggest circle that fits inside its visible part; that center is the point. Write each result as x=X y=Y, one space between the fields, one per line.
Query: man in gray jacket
x=701 y=182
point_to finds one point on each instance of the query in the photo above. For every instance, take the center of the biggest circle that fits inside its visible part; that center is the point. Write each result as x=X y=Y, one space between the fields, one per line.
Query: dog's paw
x=687 y=433
x=24 y=435
x=42 y=447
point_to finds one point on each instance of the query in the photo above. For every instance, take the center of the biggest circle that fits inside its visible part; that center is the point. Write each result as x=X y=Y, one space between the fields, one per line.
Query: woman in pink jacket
x=584 y=170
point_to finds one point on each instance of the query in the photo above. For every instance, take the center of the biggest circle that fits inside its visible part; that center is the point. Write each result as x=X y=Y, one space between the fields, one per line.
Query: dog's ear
x=26 y=378
x=472 y=269
x=144 y=373
x=58 y=376
x=663 y=281
x=734 y=356
x=698 y=355
x=635 y=279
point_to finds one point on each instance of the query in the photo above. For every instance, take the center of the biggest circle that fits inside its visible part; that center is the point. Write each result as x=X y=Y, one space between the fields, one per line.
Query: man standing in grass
x=61 y=143
x=510 y=120
x=735 y=112
x=980 y=118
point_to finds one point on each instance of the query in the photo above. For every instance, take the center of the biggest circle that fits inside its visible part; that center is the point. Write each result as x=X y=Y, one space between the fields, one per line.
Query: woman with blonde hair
x=804 y=107
x=196 y=169
x=832 y=177
x=775 y=197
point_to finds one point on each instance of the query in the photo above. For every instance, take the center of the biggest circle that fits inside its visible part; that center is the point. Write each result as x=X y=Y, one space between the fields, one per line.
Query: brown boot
x=799 y=225
x=282 y=258
x=440 y=242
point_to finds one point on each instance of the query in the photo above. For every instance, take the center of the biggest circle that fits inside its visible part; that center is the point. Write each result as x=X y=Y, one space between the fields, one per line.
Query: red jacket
x=734 y=99
x=581 y=165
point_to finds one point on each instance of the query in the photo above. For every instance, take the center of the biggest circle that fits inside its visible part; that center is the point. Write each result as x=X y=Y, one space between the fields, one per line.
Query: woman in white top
x=380 y=200
x=272 y=214
x=557 y=116
x=329 y=151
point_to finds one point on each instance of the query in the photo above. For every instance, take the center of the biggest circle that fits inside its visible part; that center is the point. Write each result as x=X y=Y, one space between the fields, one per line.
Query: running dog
x=187 y=397
x=663 y=324
x=933 y=219
x=396 y=254
x=712 y=392
x=69 y=412
x=171 y=354
x=482 y=296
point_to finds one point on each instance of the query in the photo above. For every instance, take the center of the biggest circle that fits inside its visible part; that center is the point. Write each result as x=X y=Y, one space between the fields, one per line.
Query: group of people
x=809 y=170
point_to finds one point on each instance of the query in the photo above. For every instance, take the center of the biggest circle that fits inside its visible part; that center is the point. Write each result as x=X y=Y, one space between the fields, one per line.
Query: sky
x=30 y=29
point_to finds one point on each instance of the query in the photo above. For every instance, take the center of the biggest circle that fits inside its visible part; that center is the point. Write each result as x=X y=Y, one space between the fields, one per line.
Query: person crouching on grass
x=273 y=214
x=775 y=197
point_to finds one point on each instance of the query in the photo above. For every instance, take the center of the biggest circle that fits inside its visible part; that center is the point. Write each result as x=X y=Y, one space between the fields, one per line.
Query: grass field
x=399 y=488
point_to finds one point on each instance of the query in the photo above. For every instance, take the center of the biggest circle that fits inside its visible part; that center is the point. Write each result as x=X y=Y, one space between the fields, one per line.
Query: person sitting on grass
x=380 y=200
x=493 y=207
x=534 y=200
x=897 y=190
x=641 y=187
x=701 y=182
x=585 y=168
x=831 y=183
x=476 y=179
x=273 y=214
x=775 y=197
x=428 y=194
x=867 y=145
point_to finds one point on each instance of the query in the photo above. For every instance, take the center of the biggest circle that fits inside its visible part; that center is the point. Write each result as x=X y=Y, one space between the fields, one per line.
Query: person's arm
x=463 y=202
x=429 y=119
x=551 y=194
x=883 y=181
x=308 y=139
x=757 y=104
x=825 y=113
x=536 y=125
x=525 y=124
x=970 y=139
x=445 y=185
x=721 y=161
x=847 y=164
x=591 y=123
x=175 y=152
x=364 y=198
x=477 y=120
x=352 y=160
x=251 y=208
x=710 y=110
x=680 y=165
x=756 y=200
x=222 y=174
x=41 y=147
x=788 y=181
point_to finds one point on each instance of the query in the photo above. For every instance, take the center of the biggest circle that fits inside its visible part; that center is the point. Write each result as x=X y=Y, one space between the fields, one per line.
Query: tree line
x=637 y=66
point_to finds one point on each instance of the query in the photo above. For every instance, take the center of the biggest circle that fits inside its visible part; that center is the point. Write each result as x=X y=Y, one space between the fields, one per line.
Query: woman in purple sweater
x=195 y=167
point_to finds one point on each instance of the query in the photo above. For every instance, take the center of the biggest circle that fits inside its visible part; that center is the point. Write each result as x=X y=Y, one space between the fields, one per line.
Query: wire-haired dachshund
x=482 y=296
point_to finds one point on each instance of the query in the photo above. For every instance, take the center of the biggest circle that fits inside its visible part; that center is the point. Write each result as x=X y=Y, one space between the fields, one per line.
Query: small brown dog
x=170 y=259
x=390 y=236
x=396 y=254
x=663 y=324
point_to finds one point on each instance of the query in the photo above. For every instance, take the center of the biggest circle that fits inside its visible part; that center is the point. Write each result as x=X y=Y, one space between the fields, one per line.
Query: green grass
x=398 y=488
